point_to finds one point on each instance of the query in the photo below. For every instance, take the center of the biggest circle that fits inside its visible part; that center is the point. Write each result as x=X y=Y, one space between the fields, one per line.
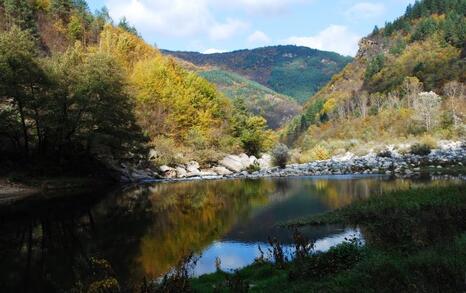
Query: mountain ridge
x=294 y=71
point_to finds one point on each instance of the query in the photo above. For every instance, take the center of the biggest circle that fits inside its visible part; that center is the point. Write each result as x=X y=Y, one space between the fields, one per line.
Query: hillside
x=294 y=71
x=378 y=95
x=74 y=86
x=277 y=109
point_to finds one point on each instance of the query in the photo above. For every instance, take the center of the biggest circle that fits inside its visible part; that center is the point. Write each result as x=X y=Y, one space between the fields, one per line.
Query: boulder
x=170 y=174
x=165 y=168
x=192 y=167
x=220 y=170
x=207 y=173
x=181 y=172
x=153 y=154
x=245 y=160
x=232 y=163
x=265 y=161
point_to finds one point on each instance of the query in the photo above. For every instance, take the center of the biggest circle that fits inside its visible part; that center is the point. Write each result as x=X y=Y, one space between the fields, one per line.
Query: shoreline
x=438 y=162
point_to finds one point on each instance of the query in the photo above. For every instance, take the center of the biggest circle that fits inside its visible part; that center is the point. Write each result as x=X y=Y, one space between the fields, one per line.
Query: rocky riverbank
x=449 y=156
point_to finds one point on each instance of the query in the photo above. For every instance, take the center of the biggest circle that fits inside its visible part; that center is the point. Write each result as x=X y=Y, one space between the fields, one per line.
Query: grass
x=415 y=242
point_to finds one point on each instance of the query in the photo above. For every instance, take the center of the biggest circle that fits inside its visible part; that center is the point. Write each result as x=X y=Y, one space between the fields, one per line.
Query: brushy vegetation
x=280 y=155
x=415 y=240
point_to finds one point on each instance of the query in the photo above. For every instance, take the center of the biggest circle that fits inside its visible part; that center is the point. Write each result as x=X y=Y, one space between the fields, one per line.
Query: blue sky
x=225 y=25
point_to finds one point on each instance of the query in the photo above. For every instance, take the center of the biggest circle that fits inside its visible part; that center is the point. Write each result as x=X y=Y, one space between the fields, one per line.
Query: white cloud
x=213 y=51
x=335 y=38
x=260 y=6
x=177 y=18
x=365 y=10
x=222 y=31
x=258 y=37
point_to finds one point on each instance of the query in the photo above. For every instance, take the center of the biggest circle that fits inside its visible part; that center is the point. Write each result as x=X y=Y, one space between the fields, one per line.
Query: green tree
x=21 y=79
x=124 y=24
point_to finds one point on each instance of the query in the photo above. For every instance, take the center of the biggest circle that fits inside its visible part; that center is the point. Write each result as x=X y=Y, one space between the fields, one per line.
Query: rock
x=192 y=167
x=170 y=174
x=265 y=161
x=181 y=172
x=245 y=160
x=220 y=170
x=165 y=168
x=152 y=154
x=232 y=163
x=207 y=172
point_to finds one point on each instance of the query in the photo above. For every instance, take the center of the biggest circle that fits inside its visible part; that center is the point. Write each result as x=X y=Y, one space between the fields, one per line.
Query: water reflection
x=144 y=230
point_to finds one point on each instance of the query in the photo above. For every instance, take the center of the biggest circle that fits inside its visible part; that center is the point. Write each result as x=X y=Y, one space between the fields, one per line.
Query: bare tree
x=427 y=105
x=411 y=88
x=455 y=92
x=362 y=104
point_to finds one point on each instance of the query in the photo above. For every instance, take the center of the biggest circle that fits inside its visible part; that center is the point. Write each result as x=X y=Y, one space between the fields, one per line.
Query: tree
x=456 y=94
x=21 y=79
x=124 y=25
x=374 y=66
x=20 y=13
x=411 y=88
x=427 y=105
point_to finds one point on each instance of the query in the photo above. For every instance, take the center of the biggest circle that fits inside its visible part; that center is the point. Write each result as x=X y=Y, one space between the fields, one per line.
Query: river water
x=143 y=231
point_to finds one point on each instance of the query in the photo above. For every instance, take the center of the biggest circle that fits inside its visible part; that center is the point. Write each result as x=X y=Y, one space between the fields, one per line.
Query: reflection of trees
x=38 y=247
x=189 y=216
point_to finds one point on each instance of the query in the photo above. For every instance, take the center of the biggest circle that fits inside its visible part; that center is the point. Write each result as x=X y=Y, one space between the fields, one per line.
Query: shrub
x=280 y=155
x=384 y=154
x=253 y=167
x=319 y=153
x=420 y=149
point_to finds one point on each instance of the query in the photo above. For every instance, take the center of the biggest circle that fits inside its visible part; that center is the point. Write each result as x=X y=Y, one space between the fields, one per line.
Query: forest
x=76 y=87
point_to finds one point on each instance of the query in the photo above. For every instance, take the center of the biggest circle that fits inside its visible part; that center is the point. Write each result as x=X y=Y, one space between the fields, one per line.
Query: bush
x=253 y=167
x=384 y=154
x=319 y=153
x=280 y=155
x=420 y=149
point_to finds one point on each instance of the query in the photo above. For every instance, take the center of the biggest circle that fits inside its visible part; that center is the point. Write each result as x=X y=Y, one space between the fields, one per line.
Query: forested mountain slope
x=294 y=71
x=276 y=108
x=377 y=96
x=75 y=85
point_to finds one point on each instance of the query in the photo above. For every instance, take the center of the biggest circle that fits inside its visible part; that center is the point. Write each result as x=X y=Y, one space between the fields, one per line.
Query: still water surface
x=143 y=231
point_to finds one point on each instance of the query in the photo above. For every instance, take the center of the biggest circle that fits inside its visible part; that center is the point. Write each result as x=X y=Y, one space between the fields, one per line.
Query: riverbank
x=418 y=243
x=448 y=160
x=20 y=189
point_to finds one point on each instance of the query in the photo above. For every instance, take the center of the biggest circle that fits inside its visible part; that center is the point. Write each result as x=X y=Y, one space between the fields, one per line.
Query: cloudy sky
x=224 y=25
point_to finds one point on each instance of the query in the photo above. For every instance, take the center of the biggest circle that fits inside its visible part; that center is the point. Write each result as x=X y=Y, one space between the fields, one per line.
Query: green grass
x=415 y=242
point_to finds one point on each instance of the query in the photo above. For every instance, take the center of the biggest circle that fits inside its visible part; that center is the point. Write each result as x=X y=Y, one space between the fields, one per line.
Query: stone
x=232 y=163
x=152 y=154
x=165 y=168
x=207 y=172
x=265 y=161
x=220 y=170
x=181 y=172
x=192 y=167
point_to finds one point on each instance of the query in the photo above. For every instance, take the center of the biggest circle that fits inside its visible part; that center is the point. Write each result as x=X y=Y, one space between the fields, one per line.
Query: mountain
x=294 y=71
x=378 y=96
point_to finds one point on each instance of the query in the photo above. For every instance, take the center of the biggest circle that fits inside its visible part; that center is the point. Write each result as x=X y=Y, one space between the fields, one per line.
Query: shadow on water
x=143 y=231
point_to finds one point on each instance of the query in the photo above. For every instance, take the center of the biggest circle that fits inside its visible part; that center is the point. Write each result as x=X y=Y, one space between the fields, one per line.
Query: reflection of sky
x=235 y=255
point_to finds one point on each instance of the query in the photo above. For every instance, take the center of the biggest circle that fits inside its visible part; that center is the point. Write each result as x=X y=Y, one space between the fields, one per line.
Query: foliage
x=280 y=155
x=251 y=130
x=277 y=109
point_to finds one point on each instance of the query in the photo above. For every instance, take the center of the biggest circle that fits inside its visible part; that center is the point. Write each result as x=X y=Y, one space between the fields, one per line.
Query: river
x=143 y=231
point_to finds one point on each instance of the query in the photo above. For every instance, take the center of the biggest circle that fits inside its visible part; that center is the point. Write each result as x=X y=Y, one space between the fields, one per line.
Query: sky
x=211 y=26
